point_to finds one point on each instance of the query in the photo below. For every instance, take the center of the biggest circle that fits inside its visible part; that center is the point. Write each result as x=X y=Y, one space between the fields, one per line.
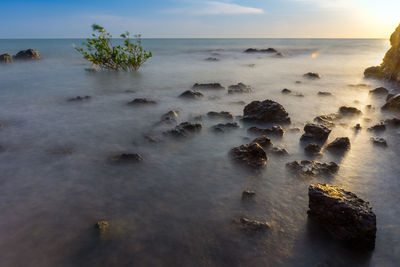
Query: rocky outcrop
x=254 y=50
x=312 y=167
x=239 y=88
x=227 y=127
x=276 y=131
x=251 y=155
x=390 y=66
x=211 y=86
x=28 y=54
x=184 y=129
x=344 y=215
x=393 y=104
x=315 y=132
x=5 y=58
x=340 y=144
x=312 y=76
x=142 y=102
x=379 y=91
x=190 y=94
x=266 y=111
x=225 y=115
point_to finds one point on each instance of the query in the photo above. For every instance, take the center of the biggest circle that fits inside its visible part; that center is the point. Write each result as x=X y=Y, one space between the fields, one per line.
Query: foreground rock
x=379 y=141
x=252 y=225
x=312 y=167
x=190 y=94
x=312 y=75
x=251 y=155
x=276 y=131
x=126 y=158
x=184 y=129
x=390 y=66
x=28 y=54
x=227 y=127
x=254 y=50
x=225 y=115
x=239 y=88
x=340 y=144
x=315 y=132
x=349 y=111
x=344 y=215
x=5 y=58
x=142 y=102
x=266 y=111
x=379 y=91
x=393 y=104
x=211 y=86
x=278 y=151
x=79 y=98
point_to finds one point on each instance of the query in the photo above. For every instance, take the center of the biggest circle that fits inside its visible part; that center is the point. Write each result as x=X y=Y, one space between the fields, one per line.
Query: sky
x=201 y=18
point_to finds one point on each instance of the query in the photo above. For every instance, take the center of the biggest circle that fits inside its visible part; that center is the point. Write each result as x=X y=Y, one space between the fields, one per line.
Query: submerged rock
x=212 y=59
x=252 y=225
x=223 y=128
x=184 y=129
x=393 y=104
x=248 y=195
x=315 y=132
x=379 y=91
x=377 y=128
x=27 y=55
x=251 y=155
x=254 y=50
x=212 y=86
x=275 y=130
x=102 y=226
x=220 y=115
x=320 y=93
x=142 y=101
x=349 y=111
x=263 y=141
x=171 y=116
x=312 y=149
x=312 y=167
x=191 y=94
x=266 y=111
x=312 y=75
x=5 y=58
x=340 y=144
x=239 y=88
x=240 y=102
x=126 y=157
x=344 y=215
x=79 y=98
x=379 y=141
x=286 y=91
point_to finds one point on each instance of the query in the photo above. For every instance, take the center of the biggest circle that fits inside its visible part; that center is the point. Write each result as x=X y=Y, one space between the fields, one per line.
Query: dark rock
x=239 y=88
x=312 y=167
x=191 y=94
x=27 y=54
x=263 y=141
x=212 y=59
x=377 y=128
x=251 y=155
x=142 y=101
x=184 y=129
x=171 y=116
x=389 y=96
x=253 y=50
x=252 y=225
x=312 y=149
x=315 y=132
x=379 y=141
x=395 y=122
x=326 y=120
x=126 y=157
x=320 y=93
x=374 y=72
x=312 y=75
x=379 y=91
x=349 y=111
x=220 y=115
x=223 y=128
x=340 y=144
x=393 y=104
x=211 y=86
x=344 y=215
x=357 y=127
x=5 y=58
x=278 y=151
x=275 y=130
x=266 y=111
x=102 y=226
x=248 y=195
x=286 y=91
x=79 y=98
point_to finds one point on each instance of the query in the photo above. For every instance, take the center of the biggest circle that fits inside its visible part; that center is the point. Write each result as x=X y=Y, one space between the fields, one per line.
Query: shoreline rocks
x=379 y=91
x=276 y=131
x=225 y=115
x=349 y=111
x=266 y=111
x=340 y=144
x=252 y=225
x=184 y=129
x=379 y=141
x=223 y=128
x=393 y=104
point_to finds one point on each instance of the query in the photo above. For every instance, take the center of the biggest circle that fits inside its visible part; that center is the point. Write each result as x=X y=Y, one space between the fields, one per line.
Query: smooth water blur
x=176 y=207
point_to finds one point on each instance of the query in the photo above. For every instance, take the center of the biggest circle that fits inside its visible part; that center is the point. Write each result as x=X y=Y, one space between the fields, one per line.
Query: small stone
x=126 y=157
x=320 y=93
x=312 y=75
x=286 y=91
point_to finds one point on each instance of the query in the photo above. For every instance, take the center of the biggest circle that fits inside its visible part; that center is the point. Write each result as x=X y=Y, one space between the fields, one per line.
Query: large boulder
x=251 y=155
x=344 y=215
x=393 y=104
x=390 y=66
x=5 y=58
x=315 y=132
x=266 y=111
x=27 y=55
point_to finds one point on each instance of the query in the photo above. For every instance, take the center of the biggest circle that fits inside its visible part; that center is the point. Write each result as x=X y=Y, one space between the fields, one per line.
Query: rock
x=248 y=195
x=326 y=120
x=239 y=88
x=344 y=215
x=278 y=151
x=102 y=226
x=263 y=141
x=79 y=98
x=275 y=130
x=238 y=102
x=369 y=107
x=297 y=82
x=206 y=86
x=349 y=111
x=266 y=111
x=142 y=101
x=379 y=91
x=251 y=155
x=5 y=58
x=393 y=104
x=377 y=128
x=363 y=85
x=320 y=93
x=390 y=66
x=253 y=50
x=286 y=91
x=312 y=149
x=252 y=225
x=379 y=141
x=220 y=115
x=191 y=94
x=223 y=128
x=357 y=127
x=126 y=157
x=315 y=132
x=212 y=59
x=27 y=55
x=184 y=129
x=389 y=96
x=340 y=144
x=312 y=167
x=171 y=116
x=312 y=75
x=394 y=122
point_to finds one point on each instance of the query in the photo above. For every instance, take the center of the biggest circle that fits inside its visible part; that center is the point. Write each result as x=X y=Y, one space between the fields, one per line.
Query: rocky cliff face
x=390 y=67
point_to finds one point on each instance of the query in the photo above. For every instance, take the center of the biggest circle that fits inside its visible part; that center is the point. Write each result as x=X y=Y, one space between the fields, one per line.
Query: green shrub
x=102 y=54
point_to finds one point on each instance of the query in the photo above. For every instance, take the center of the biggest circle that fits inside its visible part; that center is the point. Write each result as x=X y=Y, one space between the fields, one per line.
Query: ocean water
x=176 y=208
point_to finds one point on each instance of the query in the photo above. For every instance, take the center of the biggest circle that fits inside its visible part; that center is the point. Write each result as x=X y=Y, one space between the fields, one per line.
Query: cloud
x=330 y=3
x=215 y=8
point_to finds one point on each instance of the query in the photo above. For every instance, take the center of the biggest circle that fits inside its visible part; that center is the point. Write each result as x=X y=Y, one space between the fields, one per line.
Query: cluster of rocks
x=29 y=54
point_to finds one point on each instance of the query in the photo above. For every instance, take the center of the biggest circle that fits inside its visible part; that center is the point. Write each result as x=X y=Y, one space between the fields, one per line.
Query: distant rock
x=276 y=131
x=225 y=115
x=340 y=144
x=320 y=93
x=393 y=104
x=263 y=141
x=212 y=59
x=315 y=132
x=28 y=54
x=190 y=94
x=266 y=111
x=379 y=91
x=251 y=155
x=211 y=86
x=248 y=195
x=379 y=141
x=252 y=225
x=170 y=117
x=286 y=91
x=227 y=127
x=126 y=158
x=344 y=215
x=239 y=88
x=312 y=168
x=349 y=111
x=357 y=127
x=254 y=50
x=5 y=58
x=142 y=102
x=79 y=98
x=102 y=226
x=240 y=102
x=184 y=129
x=362 y=85
x=312 y=75
x=377 y=128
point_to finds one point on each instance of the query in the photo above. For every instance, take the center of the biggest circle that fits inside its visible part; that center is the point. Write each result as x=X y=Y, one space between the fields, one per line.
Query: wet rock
x=190 y=94
x=320 y=93
x=394 y=122
x=393 y=104
x=379 y=141
x=263 y=141
x=340 y=144
x=248 y=195
x=344 y=215
x=312 y=149
x=171 y=116
x=286 y=91
x=102 y=226
x=79 y=98
x=27 y=55
x=377 y=128
x=210 y=86
x=212 y=59
x=326 y=120
x=315 y=132
x=184 y=129
x=253 y=50
x=223 y=128
x=275 y=130
x=278 y=151
x=251 y=155
x=252 y=225
x=379 y=91
x=126 y=157
x=349 y=111
x=266 y=111
x=312 y=167
x=225 y=115
x=239 y=88
x=142 y=101
x=312 y=75
x=389 y=96
x=5 y=58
